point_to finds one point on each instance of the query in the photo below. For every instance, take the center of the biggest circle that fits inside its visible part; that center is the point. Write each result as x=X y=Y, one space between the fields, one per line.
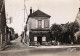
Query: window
x=39 y=23
x=46 y=24
x=35 y=38
x=43 y=38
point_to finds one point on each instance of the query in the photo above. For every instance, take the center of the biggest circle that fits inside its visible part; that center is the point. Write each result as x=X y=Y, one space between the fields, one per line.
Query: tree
x=74 y=28
x=69 y=29
x=64 y=33
x=56 y=32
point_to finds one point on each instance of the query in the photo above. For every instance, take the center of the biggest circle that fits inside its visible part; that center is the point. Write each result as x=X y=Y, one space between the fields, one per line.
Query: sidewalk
x=62 y=46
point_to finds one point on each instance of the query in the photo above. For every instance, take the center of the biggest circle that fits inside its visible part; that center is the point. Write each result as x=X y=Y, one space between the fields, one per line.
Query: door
x=39 y=40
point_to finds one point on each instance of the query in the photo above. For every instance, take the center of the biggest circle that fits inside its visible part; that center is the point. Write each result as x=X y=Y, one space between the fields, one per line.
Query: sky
x=61 y=11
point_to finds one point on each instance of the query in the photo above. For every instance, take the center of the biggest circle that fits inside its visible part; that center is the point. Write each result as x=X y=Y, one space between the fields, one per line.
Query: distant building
x=38 y=23
x=78 y=17
x=78 y=20
x=12 y=33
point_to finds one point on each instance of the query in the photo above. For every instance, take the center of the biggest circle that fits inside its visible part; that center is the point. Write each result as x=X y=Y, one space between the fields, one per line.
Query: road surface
x=19 y=49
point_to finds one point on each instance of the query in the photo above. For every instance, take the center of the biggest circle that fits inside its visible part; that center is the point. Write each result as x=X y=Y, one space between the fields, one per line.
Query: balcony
x=40 y=29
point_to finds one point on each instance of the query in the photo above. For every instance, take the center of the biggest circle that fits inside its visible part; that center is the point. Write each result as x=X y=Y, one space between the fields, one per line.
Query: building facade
x=78 y=17
x=77 y=35
x=39 y=24
x=2 y=24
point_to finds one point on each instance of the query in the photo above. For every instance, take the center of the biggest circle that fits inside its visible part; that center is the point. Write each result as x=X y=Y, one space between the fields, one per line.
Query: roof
x=39 y=13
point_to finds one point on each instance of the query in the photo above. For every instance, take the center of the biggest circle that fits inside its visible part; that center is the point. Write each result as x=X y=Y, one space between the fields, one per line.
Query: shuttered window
x=42 y=23
x=46 y=24
x=39 y=23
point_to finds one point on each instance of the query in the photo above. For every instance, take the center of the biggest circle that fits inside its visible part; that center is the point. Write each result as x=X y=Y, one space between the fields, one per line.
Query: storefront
x=39 y=37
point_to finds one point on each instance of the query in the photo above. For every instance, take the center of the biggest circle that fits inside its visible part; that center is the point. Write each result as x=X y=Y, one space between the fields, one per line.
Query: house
x=78 y=17
x=12 y=33
x=38 y=24
x=2 y=24
x=5 y=31
x=77 y=35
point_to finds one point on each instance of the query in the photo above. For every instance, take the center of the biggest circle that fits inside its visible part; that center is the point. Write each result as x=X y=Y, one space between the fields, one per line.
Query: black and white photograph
x=39 y=27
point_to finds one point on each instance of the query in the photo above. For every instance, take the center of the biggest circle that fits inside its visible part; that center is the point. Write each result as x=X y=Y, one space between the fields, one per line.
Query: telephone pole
x=24 y=10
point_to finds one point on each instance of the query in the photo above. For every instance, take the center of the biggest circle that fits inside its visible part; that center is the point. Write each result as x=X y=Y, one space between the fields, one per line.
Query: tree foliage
x=64 y=32
x=56 y=31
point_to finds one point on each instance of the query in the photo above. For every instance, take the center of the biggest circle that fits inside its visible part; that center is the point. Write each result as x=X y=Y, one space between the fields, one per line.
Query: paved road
x=41 y=53
x=16 y=45
x=19 y=49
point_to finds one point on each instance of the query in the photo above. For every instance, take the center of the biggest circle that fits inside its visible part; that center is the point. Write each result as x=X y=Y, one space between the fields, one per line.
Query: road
x=19 y=49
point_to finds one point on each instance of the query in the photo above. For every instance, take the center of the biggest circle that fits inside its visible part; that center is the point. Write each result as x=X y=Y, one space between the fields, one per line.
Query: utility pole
x=24 y=10
x=24 y=13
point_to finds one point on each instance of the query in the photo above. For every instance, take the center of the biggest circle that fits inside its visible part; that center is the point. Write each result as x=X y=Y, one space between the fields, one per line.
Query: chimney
x=30 y=10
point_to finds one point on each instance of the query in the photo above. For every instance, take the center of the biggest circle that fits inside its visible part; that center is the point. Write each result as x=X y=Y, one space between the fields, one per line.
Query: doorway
x=39 y=40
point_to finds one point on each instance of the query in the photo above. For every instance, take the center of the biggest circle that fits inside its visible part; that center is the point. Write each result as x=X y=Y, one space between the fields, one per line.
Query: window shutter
x=46 y=24
x=42 y=23
x=36 y=24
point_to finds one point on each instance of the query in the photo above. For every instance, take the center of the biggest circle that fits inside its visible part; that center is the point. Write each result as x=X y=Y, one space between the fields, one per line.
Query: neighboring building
x=7 y=35
x=2 y=24
x=78 y=17
x=12 y=33
x=5 y=31
x=38 y=24
x=16 y=35
x=78 y=33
